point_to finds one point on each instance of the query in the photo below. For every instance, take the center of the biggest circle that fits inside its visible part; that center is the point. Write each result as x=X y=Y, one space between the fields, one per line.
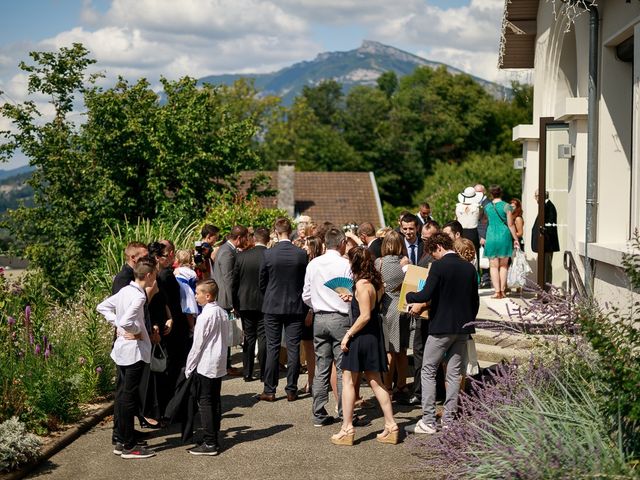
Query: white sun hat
x=469 y=196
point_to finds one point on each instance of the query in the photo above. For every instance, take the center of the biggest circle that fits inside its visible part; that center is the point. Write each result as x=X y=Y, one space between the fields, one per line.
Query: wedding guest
x=331 y=319
x=409 y=228
x=131 y=352
x=453 y=229
x=223 y=276
x=187 y=279
x=367 y=234
x=452 y=290
x=247 y=301
x=281 y=280
x=518 y=220
x=549 y=235
x=468 y=211
x=424 y=213
x=314 y=246
x=363 y=348
x=501 y=240
x=393 y=258
x=208 y=359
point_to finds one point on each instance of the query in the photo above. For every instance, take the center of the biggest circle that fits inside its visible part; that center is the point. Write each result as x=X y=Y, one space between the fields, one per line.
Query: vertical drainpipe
x=592 y=157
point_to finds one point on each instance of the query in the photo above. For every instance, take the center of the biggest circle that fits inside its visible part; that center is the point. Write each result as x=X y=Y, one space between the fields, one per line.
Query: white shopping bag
x=517 y=276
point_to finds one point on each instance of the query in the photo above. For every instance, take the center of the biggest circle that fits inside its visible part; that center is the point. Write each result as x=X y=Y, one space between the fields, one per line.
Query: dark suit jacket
x=550 y=230
x=452 y=288
x=282 y=279
x=223 y=274
x=170 y=288
x=123 y=278
x=376 y=248
x=246 y=275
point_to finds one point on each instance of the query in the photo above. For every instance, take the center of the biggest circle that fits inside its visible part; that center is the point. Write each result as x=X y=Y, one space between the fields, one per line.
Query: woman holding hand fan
x=363 y=348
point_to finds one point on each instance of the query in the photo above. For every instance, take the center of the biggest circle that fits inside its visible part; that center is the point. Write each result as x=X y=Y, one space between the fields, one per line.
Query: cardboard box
x=414 y=280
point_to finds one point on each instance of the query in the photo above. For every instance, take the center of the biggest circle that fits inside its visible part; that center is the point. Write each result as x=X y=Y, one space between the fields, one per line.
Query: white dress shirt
x=125 y=311
x=321 y=269
x=208 y=354
x=415 y=249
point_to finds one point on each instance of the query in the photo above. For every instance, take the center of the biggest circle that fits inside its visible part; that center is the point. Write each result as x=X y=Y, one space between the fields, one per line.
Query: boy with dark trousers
x=131 y=352
x=208 y=359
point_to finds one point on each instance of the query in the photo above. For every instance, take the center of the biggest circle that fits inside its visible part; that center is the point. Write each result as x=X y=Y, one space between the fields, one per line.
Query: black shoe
x=249 y=379
x=145 y=424
x=205 y=449
x=138 y=451
x=119 y=446
x=323 y=422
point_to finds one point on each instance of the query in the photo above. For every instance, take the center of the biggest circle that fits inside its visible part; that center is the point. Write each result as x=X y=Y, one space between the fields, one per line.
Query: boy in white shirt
x=208 y=358
x=131 y=351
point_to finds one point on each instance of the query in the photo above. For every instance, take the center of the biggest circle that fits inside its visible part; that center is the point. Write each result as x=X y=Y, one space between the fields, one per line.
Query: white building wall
x=555 y=80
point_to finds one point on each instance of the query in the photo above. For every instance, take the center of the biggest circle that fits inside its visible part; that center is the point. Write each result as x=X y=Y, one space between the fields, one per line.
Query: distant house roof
x=338 y=197
x=517 y=45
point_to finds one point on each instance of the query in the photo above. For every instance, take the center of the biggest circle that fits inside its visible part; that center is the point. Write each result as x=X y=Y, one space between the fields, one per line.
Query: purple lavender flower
x=31 y=338
x=11 y=321
x=45 y=341
x=38 y=349
x=82 y=360
x=98 y=370
x=47 y=352
x=27 y=315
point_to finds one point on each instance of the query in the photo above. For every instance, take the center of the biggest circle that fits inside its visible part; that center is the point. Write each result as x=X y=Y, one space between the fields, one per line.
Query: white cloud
x=207 y=18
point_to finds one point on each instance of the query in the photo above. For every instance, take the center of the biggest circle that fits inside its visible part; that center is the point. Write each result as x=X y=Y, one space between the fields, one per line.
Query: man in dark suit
x=550 y=236
x=223 y=275
x=247 y=301
x=452 y=290
x=124 y=277
x=282 y=280
x=409 y=227
x=367 y=234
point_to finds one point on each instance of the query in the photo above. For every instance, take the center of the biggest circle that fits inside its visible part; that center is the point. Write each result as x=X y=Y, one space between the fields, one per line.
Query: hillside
x=361 y=66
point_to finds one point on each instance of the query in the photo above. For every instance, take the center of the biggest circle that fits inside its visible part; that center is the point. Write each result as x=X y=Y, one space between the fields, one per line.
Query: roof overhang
x=517 y=43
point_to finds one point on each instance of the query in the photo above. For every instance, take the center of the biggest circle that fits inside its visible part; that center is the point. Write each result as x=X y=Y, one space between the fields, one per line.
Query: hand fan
x=340 y=285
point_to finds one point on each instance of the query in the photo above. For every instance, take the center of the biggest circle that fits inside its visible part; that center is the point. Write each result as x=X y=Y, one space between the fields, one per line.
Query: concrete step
x=496 y=353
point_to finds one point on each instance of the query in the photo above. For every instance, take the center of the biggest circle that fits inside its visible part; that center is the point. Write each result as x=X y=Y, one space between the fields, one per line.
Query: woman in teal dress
x=500 y=241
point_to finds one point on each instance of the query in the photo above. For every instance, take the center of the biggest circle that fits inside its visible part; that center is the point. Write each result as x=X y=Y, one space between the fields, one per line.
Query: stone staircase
x=495 y=345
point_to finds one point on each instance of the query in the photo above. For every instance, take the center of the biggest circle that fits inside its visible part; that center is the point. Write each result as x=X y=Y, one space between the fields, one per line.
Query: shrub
x=229 y=211
x=16 y=445
x=53 y=356
x=528 y=422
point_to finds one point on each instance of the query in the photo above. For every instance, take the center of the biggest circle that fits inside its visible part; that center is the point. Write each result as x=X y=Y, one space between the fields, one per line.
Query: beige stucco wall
x=561 y=72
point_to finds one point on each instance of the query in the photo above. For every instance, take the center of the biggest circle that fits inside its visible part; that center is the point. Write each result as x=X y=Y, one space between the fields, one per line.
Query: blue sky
x=173 y=38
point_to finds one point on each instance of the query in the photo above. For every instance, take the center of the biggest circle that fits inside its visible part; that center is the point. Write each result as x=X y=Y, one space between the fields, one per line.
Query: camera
x=201 y=252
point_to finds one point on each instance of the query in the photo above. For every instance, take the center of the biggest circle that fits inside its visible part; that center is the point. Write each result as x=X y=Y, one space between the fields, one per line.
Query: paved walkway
x=260 y=440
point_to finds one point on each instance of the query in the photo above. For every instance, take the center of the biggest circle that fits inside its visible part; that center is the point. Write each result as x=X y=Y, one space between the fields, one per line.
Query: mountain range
x=361 y=66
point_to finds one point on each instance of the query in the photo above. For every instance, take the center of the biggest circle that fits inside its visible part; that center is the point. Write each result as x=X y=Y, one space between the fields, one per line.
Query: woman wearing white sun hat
x=468 y=212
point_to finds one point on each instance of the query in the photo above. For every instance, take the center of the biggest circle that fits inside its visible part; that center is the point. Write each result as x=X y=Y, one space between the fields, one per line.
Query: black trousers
x=253 y=329
x=210 y=407
x=127 y=401
x=273 y=324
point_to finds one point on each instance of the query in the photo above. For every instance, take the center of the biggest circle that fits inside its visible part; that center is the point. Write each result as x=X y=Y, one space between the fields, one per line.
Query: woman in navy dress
x=363 y=347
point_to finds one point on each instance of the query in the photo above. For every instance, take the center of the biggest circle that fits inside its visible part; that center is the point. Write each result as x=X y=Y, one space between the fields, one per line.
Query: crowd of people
x=171 y=313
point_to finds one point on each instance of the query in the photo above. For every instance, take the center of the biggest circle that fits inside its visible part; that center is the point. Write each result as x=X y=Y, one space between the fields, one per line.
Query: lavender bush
x=572 y=412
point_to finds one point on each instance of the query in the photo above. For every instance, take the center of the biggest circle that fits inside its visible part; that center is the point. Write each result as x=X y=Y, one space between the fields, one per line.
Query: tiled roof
x=337 y=197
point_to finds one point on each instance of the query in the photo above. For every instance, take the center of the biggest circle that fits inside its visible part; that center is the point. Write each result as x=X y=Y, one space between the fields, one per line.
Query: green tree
x=133 y=157
x=325 y=100
x=388 y=83
x=450 y=178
